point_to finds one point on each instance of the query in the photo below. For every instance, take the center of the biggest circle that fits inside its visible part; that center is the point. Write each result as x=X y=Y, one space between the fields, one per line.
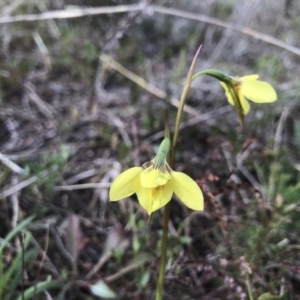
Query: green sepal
x=162 y=153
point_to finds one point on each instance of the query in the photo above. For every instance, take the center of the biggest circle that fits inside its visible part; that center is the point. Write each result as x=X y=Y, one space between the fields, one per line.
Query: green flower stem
x=164 y=245
x=214 y=73
x=185 y=91
x=230 y=85
x=164 y=248
x=249 y=288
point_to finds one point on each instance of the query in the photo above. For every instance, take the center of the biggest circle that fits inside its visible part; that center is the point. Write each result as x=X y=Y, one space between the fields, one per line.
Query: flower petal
x=126 y=184
x=151 y=178
x=155 y=198
x=187 y=190
x=244 y=103
x=227 y=93
x=249 y=77
x=258 y=91
x=162 y=196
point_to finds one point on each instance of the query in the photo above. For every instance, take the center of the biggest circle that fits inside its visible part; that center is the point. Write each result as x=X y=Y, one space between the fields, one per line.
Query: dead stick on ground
x=10 y=164
x=23 y=184
x=143 y=83
x=73 y=12
x=65 y=253
x=81 y=12
x=82 y=186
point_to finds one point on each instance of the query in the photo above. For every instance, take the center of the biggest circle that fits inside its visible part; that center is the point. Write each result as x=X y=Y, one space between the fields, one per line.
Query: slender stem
x=164 y=245
x=185 y=91
x=164 y=248
x=249 y=288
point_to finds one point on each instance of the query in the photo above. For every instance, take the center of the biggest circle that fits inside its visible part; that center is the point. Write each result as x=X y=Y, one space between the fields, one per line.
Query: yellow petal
x=187 y=190
x=244 y=103
x=258 y=91
x=155 y=198
x=126 y=184
x=227 y=93
x=151 y=178
x=249 y=77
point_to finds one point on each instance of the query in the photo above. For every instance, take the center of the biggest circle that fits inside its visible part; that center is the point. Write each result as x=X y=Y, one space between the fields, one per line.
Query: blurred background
x=83 y=94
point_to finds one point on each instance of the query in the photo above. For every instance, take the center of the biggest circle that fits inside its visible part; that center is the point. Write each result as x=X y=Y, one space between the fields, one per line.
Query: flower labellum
x=155 y=182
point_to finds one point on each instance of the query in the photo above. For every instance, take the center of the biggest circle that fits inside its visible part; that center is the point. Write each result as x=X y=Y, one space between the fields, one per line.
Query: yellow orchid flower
x=249 y=87
x=155 y=182
x=239 y=89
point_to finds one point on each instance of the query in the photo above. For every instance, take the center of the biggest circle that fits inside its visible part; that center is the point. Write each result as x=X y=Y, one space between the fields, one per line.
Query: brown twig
x=82 y=186
x=45 y=257
x=81 y=12
x=72 y=12
x=17 y=187
x=10 y=164
x=144 y=84
x=63 y=249
x=213 y=21
x=44 y=254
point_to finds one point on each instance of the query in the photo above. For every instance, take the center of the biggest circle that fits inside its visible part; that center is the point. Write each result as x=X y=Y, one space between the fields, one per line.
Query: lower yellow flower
x=248 y=87
x=155 y=185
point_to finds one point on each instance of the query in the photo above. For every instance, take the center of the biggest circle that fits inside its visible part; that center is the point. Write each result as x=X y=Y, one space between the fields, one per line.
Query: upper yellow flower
x=248 y=87
x=238 y=90
x=154 y=183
